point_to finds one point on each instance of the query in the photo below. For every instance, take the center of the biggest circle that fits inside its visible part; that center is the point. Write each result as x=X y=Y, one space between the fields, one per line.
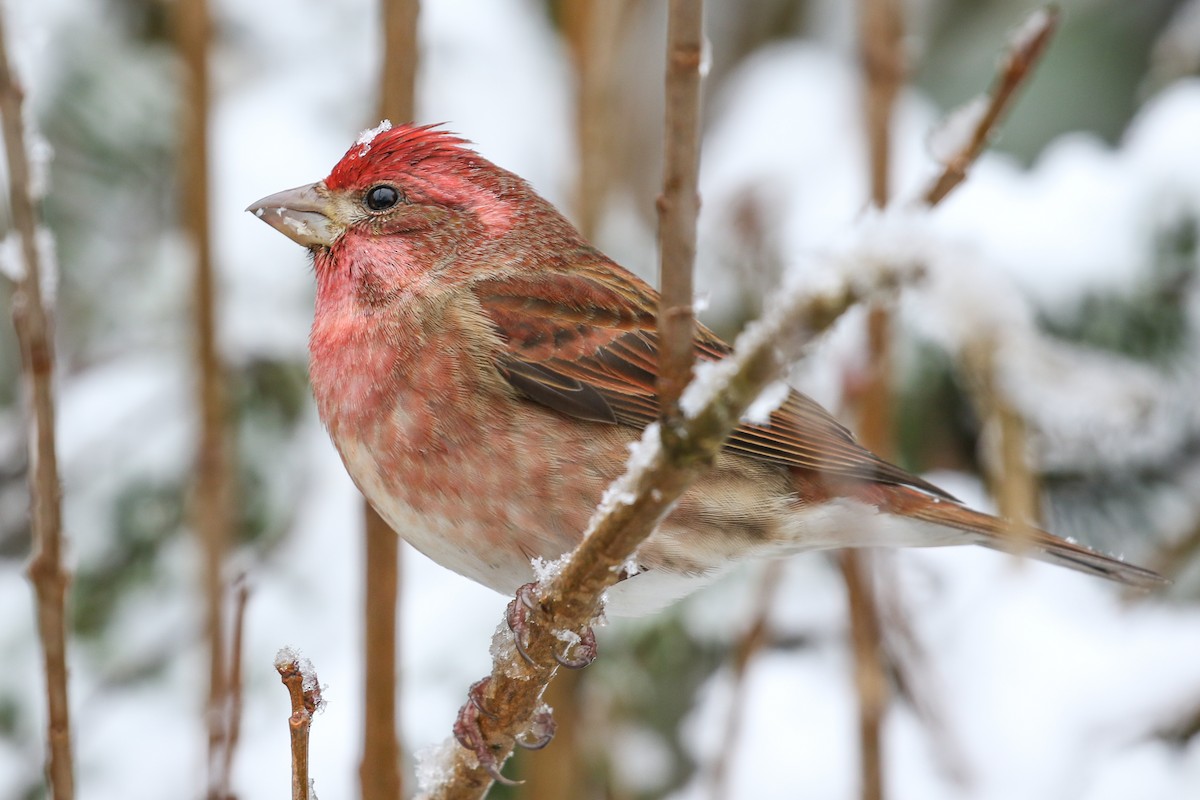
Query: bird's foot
x=470 y=735
x=585 y=651
x=518 y=617
x=540 y=732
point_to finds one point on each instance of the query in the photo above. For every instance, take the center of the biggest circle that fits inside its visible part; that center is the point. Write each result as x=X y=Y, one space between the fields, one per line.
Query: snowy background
x=1074 y=244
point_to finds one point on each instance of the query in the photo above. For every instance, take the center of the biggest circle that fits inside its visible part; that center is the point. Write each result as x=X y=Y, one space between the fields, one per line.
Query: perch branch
x=662 y=468
x=36 y=342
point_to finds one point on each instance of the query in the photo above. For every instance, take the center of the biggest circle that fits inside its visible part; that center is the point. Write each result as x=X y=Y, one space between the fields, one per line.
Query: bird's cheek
x=412 y=218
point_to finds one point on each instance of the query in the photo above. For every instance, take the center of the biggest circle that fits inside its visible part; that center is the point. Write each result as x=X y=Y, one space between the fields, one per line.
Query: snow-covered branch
x=966 y=132
x=304 y=690
x=661 y=468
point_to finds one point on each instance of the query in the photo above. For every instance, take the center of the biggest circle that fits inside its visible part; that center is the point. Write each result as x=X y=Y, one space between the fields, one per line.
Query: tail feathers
x=998 y=534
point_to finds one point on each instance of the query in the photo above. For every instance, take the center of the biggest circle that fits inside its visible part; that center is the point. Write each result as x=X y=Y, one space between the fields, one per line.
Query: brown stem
x=679 y=203
x=233 y=713
x=36 y=342
x=881 y=37
x=305 y=694
x=593 y=28
x=379 y=770
x=398 y=77
x=1009 y=473
x=870 y=678
x=212 y=511
x=884 y=67
x=751 y=642
x=645 y=495
x=1015 y=69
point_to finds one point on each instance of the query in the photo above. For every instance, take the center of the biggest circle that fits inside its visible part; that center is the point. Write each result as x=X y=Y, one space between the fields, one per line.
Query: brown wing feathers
x=590 y=351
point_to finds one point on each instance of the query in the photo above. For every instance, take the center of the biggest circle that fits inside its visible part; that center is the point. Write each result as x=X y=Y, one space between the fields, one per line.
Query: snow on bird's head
x=400 y=148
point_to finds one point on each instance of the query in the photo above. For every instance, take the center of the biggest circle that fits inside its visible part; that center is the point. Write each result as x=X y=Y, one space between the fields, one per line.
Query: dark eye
x=380 y=198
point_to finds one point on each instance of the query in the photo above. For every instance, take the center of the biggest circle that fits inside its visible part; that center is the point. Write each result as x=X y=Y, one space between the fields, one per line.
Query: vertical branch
x=870 y=677
x=751 y=642
x=882 y=54
x=379 y=771
x=36 y=341
x=304 y=692
x=1006 y=464
x=679 y=203
x=881 y=40
x=593 y=29
x=224 y=785
x=212 y=511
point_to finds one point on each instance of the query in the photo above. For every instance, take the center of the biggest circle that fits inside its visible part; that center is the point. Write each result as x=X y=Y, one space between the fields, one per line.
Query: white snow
x=1032 y=27
x=768 y=401
x=366 y=137
x=953 y=135
x=12 y=262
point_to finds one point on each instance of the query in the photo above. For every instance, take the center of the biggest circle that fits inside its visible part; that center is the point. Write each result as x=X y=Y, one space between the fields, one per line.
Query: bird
x=482 y=370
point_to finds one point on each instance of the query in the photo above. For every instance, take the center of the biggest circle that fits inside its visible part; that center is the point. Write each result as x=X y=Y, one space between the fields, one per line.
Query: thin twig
x=31 y=319
x=305 y=693
x=751 y=642
x=234 y=697
x=1025 y=51
x=679 y=203
x=212 y=511
x=664 y=467
x=379 y=770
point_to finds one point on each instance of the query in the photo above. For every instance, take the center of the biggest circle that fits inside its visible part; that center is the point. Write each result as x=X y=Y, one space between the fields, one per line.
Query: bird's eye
x=382 y=197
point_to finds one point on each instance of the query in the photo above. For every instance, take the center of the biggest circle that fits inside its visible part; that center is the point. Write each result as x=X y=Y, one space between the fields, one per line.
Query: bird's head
x=413 y=189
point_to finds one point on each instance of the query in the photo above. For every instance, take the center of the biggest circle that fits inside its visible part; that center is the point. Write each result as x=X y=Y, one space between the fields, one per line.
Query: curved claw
x=540 y=733
x=475 y=696
x=516 y=615
x=585 y=650
x=468 y=734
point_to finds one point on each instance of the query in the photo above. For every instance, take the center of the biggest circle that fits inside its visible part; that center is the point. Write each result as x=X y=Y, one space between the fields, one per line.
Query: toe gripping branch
x=518 y=618
x=467 y=728
x=469 y=734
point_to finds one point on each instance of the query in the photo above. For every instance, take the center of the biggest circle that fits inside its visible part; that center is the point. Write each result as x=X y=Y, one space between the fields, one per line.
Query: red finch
x=482 y=370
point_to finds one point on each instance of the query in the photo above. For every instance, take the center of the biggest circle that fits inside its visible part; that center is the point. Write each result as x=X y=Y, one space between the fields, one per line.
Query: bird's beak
x=302 y=214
